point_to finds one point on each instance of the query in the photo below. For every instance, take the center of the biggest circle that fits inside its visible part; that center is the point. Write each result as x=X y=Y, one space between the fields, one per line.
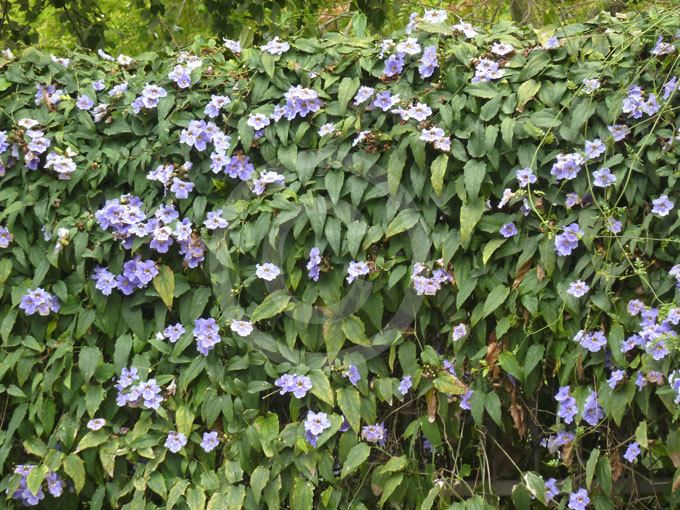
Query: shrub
x=341 y=273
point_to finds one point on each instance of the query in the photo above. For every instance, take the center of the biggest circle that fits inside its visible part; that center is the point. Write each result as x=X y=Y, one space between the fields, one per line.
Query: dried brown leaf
x=521 y=274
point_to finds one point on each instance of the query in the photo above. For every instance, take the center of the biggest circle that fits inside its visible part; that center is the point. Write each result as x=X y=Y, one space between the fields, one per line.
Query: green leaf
x=258 y=481
x=536 y=485
x=267 y=428
x=393 y=465
x=590 y=466
x=490 y=248
x=438 y=171
x=349 y=402
x=389 y=487
x=449 y=384
x=508 y=362
x=75 y=469
x=492 y=404
x=403 y=221
x=353 y=328
x=302 y=495
x=526 y=92
x=346 y=91
x=35 y=478
x=474 y=172
x=272 y=305
x=92 y=439
x=641 y=434
x=495 y=299
x=395 y=167
x=89 y=359
x=533 y=357
x=164 y=283
x=184 y=419
x=355 y=458
x=321 y=387
x=429 y=499
x=470 y=214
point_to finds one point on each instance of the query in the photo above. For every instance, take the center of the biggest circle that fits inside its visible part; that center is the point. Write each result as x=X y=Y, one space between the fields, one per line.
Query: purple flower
x=362 y=95
x=175 y=441
x=459 y=332
x=301 y=385
x=603 y=178
x=662 y=48
x=181 y=75
x=619 y=131
x=428 y=62
x=616 y=377
x=276 y=46
x=352 y=373
x=657 y=350
x=258 y=121
x=592 y=412
x=669 y=87
x=267 y=271
x=96 y=423
x=313 y=265
x=5 y=237
x=207 y=335
x=635 y=306
x=551 y=490
x=567 y=408
x=326 y=129
x=593 y=341
x=394 y=65
x=55 y=485
x=385 y=101
x=578 y=500
x=567 y=166
x=465 y=400
x=39 y=301
x=212 y=109
x=241 y=328
x=632 y=452
x=210 y=441
x=173 y=332
x=635 y=105
x=355 y=270
x=567 y=241
x=614 y=226
x=487 y=70
x=286 y=382
x=578 y=288
x=105 y=280
x=572 y=200
x=267 y=177
x=405 y=384
x=215 y=220
x=508 y=230
x=662 y=205
x=316 y=423
x=181 y=188
x=84 y=102
x=374 y=433
x=525 y=176
x=595 y=148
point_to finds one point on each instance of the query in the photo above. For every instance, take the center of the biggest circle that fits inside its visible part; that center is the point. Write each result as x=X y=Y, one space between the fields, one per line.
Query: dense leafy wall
x=235 y=277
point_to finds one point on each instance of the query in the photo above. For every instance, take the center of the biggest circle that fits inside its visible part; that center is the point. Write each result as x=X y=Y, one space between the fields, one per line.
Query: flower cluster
x=207 y=335
x=374 y=433
x=429 y=286
x=567 y=241
x=300 y=102
x=314 y=426
x=151 y=95
x=296 y=384
x=55 y=486
x=40 y=301
x=137 y=394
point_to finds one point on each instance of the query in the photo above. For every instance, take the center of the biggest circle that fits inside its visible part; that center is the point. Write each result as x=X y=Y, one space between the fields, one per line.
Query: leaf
x=321 y=387
x=590 y=466
x=470 y=214
x=490 y=248
x=449 y=384
x=533 y=357
x=474 y=172
x=429 y=499
x=492 y=404
x=349 y=402
x=495 y=299
x=353 y=329
x=641 y=434
x=526 y=92
x=390 y=486
x=393 y=465
x=272 y=305
x=35 y=478
x=355 y=458
x=258 y=481
x=184 y=419
x=267 y=428
x=346 y=90
x=89 y=359
x=75 y=469
x=438 y=171
x=395 y=167
x=302 y=495
x=508 y=362
x=403 y=221
x=164 y=283
x=91 y=439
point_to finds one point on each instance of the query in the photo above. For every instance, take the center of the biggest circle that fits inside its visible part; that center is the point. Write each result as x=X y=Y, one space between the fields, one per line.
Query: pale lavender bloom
x=234 y=46
x=465 y=400
x=459 y=332
x=487 y=70
x=616 y=377
x=286 y=382
x=614 y=226
x=662 y=48
x=316 y=423
x=508 y=230
x=173 y=332
x=267 y=271
x=5 y=237
x=657 y=350
x=551 y=44
x=590 y=85
x=572 y=200
x=313 y=265
x=84 y=102
x=374 y=433
x=595 y=148
x=502 y=49
x=619 y=131
x=209 y=441
x=363 y=94
x=241 y=328
x=215 y=220
x=181 y=75
x=632 y=452
x=567 y=241
x=409 y=46
x=435 y=16
x=592 y=341
x=206 y=333
x=301 y=385
x=175 y=441
x=669 y=87
x=578 y=288
x=567 y=166
x=181 y=188
x=39 y=301
x=385 y=101
x=55 y=485
x=578 y=500
x=275 y=47
x=525 y=176
x=551 y=490
x=267 y=177
x=105 y=280
x=258 y=121
x=352 y=373
x=326 y=129
x=98 y=85
x=355 y=270
x=419 y=111
x=592 y=411
x=465 y=28
x=405 y=384
x=603 y=178
x=394 y=65
x=96 y=423
x=662 y=205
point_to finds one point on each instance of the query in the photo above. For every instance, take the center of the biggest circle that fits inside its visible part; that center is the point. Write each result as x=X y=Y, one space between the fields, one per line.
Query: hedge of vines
x=344 y=273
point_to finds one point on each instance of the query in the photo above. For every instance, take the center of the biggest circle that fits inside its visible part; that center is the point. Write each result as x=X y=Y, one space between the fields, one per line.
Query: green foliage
x=390 y=200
